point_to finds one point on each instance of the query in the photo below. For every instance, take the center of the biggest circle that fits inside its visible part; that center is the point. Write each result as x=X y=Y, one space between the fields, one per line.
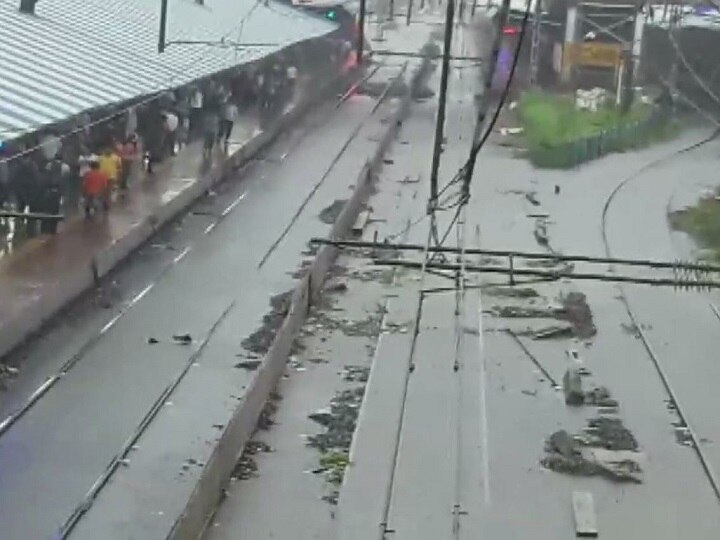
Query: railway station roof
x=71 y=56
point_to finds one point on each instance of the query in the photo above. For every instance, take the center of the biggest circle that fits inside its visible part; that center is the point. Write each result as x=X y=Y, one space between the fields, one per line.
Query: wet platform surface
x=38 y=263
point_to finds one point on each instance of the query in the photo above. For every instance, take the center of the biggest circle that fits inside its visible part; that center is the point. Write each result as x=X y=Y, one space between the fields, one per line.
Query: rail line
x=378 y=101
x=121 y=457
x=657 y=364
x=28 y=404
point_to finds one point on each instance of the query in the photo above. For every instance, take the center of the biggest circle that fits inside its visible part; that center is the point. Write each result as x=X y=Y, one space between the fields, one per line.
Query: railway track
x=16 y=416
x=652 y=355
x=11 y=419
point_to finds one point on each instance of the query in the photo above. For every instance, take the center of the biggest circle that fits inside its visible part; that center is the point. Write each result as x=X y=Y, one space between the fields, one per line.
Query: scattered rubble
x=339 y=421
x=512 y=292
x=302 y=270
x=249 y=365
x=631 y=329
x=572 y=387
x=246 y=467
x=338 y=287
x=333 y=465
x=356 y=373
x=398 y=328
x=260 y=340
x=607 y=449
x=531 y=197
x=573 y=309
x=182 y=339
x=600 y=397
x=610 y=433
x=367 y=327
x=329 y=214
x=521 y=312
x=384 y=275
x=7 y=373
x=577 y=312
x=540 y=232
x=554 y=332
x=267 y=416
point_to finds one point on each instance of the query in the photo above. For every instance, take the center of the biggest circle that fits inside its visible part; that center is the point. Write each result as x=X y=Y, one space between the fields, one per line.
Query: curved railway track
x=647 y=345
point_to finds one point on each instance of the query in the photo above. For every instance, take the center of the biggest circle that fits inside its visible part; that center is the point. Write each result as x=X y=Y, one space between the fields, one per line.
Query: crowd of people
x=88 y=164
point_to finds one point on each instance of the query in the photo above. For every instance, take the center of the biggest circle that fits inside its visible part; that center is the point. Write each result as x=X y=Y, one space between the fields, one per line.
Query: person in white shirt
x=171 y=125
x=50 y=146
x=196 y=111
x=291 y=76
x=229 y=116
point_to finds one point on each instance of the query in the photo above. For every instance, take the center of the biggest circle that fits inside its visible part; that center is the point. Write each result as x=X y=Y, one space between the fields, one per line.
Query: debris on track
x=329 y=214
x=356 y=373
x=7 y=373
x=246 y=467
x=605 y=448
x=573 y=308
x=577 y=312
x=339 y=421
x=260 y=340
x=512 y=292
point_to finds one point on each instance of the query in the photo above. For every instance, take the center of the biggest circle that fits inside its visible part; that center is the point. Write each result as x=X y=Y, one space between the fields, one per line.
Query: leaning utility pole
x=485 y=103
x=163 y=25
x=535 y=45
x=440 y=121
x=361 y=33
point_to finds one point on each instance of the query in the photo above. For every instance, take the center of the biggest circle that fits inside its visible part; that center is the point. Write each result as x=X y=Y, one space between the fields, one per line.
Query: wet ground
x=178 y=284
x=508 y=448
x=477 y=440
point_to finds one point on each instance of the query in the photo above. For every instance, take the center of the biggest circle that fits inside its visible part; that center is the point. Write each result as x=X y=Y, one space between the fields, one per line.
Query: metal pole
x=361 y=33
x=409 y=12
x=391 y=15
x=163 y=25
x=485 y=103
x=535 y=46
x=440 y=121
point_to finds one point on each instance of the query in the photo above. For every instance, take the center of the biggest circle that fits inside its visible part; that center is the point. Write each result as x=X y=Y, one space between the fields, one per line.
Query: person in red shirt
x=95 y=189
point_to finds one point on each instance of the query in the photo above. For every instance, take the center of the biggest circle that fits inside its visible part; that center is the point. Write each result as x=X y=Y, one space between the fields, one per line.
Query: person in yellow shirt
x=111 y=164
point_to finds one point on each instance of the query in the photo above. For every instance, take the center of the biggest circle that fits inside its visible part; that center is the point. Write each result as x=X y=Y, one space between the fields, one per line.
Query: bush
x=560 y=136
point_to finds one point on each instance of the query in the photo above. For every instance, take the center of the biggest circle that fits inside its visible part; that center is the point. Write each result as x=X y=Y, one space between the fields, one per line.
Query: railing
x=620 y=138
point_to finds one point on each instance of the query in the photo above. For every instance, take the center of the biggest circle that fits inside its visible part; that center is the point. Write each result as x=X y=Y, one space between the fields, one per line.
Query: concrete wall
x=217 y=471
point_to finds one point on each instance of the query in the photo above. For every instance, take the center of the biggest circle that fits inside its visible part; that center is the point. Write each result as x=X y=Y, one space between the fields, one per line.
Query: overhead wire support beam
x=670 y=265
x=442 y=101
x=554 y=274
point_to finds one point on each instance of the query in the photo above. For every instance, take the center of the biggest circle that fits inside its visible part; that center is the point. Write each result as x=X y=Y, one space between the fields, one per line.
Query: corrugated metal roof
x=75 y=55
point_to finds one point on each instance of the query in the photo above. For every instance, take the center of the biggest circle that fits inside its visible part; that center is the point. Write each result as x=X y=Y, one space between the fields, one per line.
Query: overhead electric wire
x=475 y=150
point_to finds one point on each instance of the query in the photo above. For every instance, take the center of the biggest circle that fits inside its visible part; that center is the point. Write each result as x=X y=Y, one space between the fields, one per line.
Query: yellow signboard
x=602 y=55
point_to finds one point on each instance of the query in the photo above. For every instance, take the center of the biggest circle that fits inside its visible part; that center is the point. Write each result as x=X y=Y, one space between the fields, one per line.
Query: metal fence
x=620 y=138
